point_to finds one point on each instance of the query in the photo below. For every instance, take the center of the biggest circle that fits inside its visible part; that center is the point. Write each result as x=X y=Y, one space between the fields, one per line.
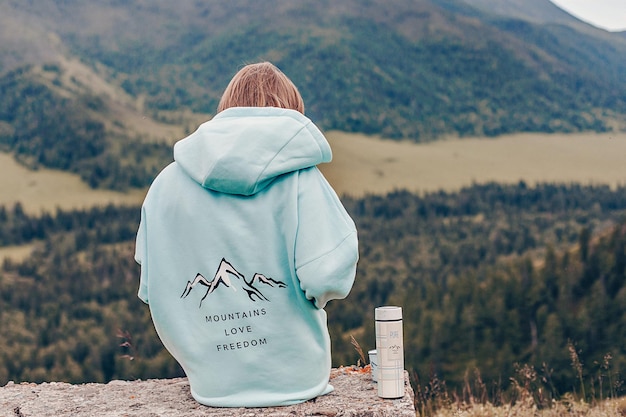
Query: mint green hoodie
x=242 y=242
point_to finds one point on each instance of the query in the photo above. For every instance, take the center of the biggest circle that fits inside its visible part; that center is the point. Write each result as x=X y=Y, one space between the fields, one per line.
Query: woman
x=242 y=242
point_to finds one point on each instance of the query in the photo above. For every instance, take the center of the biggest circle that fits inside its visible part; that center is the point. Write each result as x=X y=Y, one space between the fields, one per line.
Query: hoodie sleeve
x=326 y=249
x=140 y=258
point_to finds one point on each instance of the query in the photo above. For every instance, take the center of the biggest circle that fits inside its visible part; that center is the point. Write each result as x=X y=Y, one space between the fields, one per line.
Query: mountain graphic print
x=229 y=279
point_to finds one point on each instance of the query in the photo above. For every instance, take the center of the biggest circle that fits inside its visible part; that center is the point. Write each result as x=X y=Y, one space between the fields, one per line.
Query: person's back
x=241 y=244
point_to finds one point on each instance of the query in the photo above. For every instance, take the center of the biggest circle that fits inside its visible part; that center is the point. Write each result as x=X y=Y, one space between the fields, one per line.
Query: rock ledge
x=355 y=395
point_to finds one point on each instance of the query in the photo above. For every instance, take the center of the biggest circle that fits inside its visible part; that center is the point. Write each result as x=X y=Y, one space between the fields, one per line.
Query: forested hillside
x=418 y=70
x=496 y=277
x=490 y=278
x=42 y=126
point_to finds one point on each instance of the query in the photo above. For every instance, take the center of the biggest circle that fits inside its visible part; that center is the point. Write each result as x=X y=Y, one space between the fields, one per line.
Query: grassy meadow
x=368 y=165
x=45 y=189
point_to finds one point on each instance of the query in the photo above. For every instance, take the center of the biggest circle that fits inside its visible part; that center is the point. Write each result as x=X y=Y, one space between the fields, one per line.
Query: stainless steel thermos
x=389 y=352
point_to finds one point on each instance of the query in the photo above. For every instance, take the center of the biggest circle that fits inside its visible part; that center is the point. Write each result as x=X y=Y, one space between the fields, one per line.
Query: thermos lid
x=388 y=313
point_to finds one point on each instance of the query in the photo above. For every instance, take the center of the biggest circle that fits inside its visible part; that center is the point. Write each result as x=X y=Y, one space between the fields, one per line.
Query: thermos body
x=389 y=352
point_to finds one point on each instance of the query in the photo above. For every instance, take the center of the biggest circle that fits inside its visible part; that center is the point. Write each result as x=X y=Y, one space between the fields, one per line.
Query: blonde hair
x=261 y=85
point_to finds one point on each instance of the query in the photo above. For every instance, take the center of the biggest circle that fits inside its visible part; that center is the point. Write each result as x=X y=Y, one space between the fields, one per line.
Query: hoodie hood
x=243 y=149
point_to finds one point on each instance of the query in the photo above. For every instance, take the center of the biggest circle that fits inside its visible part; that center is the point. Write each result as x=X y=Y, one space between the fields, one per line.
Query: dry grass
x=367 y=165
x=46 y=189
x=525 y=406
x=527 y=403
x=529 y=394
x=609 y=408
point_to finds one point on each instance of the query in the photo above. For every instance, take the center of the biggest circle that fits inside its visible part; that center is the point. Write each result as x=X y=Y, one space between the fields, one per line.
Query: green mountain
x=412 y=69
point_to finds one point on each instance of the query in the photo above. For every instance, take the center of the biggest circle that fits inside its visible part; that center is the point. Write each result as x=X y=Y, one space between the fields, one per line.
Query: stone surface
x=355 y=395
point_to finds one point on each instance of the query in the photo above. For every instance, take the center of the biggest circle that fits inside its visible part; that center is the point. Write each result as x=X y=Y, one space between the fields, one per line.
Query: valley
x=364 y=164
x=506 y=251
